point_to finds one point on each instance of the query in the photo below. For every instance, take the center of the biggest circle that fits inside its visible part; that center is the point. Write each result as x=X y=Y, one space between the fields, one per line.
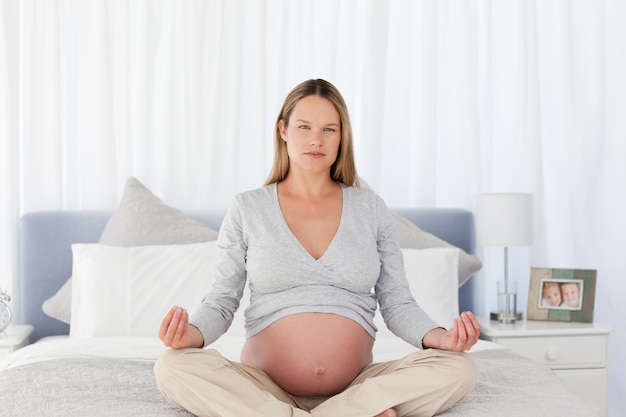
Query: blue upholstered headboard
x=46 y=256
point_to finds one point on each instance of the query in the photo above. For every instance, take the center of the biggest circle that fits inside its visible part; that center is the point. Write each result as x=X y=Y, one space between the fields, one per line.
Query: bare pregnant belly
x=310 y=354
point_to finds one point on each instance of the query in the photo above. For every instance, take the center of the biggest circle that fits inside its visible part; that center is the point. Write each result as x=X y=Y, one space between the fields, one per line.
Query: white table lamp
x=505 y=220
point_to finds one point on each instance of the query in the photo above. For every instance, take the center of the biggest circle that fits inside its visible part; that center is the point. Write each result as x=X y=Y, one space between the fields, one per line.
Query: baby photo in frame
x=561 y=294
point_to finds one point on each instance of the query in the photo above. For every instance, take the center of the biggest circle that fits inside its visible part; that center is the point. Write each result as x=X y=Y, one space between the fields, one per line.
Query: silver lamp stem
x=506 y=270
x=507 y=287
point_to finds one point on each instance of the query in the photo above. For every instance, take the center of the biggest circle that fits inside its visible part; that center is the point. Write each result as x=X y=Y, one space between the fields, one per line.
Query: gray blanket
x=508 y=385
x=83 y=387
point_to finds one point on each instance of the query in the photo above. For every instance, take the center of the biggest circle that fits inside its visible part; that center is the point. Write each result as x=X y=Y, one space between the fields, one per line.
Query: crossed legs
x=423 y=383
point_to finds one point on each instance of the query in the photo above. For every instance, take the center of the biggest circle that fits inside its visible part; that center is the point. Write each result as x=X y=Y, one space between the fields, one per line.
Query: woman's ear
x=281 y=129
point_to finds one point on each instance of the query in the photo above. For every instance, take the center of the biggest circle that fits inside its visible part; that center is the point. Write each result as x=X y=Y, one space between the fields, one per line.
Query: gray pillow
x=141 y=219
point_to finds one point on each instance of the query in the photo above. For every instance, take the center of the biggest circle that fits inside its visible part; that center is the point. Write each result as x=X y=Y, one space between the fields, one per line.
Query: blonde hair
x=343 y=169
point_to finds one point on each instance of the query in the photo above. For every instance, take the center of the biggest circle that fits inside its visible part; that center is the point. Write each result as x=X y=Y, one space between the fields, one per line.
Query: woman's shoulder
x=256 y=198
x=363 y=195
x=251 y=202
x=257 y=193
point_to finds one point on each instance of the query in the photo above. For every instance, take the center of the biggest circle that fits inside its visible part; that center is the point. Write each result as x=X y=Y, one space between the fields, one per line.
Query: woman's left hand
x=462 y=336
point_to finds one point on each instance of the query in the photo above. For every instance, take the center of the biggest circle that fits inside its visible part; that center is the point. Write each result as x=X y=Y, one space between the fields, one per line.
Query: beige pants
x=205 y=383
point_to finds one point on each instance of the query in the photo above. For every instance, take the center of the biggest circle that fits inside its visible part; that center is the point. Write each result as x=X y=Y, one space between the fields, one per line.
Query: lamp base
x=505 y=318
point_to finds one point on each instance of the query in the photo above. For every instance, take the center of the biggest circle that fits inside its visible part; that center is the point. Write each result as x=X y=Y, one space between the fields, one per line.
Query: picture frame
x=558 y=294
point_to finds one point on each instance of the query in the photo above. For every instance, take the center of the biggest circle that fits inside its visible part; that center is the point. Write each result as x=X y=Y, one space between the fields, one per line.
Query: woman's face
x=570 y=294
x=313 y=135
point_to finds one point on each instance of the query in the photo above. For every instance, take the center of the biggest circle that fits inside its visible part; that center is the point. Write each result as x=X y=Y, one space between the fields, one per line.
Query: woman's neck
x=309 y=187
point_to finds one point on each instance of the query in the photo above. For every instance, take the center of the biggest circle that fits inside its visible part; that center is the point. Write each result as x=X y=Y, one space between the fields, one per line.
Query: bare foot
x=387 y=413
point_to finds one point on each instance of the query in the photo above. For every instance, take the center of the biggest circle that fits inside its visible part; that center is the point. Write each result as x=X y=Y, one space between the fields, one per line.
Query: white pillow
x=126 y=291
x=141 y=219
x=433 y=280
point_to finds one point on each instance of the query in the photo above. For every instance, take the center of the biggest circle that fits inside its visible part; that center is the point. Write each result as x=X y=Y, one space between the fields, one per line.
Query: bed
x=94 y=314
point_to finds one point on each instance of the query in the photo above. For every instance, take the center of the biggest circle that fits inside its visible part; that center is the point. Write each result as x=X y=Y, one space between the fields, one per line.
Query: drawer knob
x=553 y=354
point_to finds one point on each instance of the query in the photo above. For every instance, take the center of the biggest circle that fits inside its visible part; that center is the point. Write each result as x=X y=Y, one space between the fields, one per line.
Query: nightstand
x=577 y=352
x=14 y=338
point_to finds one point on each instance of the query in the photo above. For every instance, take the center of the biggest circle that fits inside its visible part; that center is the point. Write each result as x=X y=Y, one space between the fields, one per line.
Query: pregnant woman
x=319 y=254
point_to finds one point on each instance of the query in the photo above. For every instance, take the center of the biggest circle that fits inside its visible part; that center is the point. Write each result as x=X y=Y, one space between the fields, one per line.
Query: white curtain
x=448 y=99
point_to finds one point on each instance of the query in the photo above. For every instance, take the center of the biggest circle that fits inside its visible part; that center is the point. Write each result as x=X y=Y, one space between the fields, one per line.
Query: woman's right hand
x=177 y=333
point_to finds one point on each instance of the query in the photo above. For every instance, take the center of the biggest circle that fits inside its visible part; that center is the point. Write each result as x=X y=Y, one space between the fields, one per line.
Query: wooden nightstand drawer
x=562 y=352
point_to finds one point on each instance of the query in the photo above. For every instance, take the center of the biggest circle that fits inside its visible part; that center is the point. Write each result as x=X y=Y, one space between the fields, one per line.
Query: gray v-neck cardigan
x=362 y=266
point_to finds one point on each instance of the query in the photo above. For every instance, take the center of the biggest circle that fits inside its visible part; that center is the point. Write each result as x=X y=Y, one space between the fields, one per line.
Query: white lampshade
x=504 y=219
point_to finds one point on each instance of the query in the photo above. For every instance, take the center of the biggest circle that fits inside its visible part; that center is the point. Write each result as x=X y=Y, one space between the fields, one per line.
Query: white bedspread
x=147 y=348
